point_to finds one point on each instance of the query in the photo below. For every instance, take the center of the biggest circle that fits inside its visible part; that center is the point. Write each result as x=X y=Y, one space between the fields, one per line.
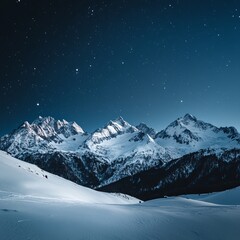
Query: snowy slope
x=23 y=180
x=228 y=197
x=38 y=208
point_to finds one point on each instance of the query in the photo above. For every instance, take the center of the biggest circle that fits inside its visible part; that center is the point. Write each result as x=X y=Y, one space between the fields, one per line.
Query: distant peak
x=64 y=121
x=120 y=121
x=41 y=120
x=189 y=117
x=77 y=128
x=25 y=124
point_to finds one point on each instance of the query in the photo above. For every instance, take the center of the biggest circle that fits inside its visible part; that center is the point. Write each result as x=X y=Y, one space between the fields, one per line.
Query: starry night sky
x=147 y=60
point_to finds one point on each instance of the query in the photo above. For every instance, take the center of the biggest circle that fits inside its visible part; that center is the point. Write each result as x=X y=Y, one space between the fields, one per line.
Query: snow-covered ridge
x=111 y=130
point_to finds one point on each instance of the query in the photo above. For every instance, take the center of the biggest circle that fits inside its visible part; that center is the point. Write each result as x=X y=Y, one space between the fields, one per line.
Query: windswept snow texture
x=39 y=208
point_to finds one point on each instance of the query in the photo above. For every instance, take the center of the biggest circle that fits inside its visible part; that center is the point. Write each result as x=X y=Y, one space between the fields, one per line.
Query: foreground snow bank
x=36 y=207
x=228 y=197
x=165 y=219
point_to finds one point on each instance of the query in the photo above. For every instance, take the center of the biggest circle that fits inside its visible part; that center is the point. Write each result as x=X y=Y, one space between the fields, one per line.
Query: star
x=38 y=104
x=181 y=101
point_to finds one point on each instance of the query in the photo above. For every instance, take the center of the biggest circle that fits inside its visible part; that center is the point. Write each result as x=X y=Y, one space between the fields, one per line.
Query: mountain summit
x=188 y=134
x=37 y=136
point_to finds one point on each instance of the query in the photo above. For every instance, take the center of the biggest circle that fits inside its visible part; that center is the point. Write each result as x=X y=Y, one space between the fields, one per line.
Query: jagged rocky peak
x=43 y=120
x=118 y=125
x=188 y=118
x=184 y=130
x=48 y=129
x=112 y=129
x=48 y=121
x=48 y=126
x=121 y=121
x=77 y=127
x=26 y=124
x=121 y=125
x=183 y=122
x=191 y=123
x=147 y=130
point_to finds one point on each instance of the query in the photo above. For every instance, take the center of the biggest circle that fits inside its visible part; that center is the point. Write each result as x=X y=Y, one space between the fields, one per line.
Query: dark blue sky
x=147 y=60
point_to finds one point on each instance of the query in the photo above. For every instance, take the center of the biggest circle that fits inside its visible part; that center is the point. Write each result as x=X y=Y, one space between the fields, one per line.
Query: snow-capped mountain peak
x=121 y=121
x=112 y=129
x=26 y=124
x=188 y=134
x=192 y=123
x=183 y=130
x=189 y=117
x=122 y=125
x=38 y=135
x=186 y=129
x=48 y=126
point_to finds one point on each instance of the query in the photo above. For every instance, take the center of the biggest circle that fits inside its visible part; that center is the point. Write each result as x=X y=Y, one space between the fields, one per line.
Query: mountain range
x=188 y=156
